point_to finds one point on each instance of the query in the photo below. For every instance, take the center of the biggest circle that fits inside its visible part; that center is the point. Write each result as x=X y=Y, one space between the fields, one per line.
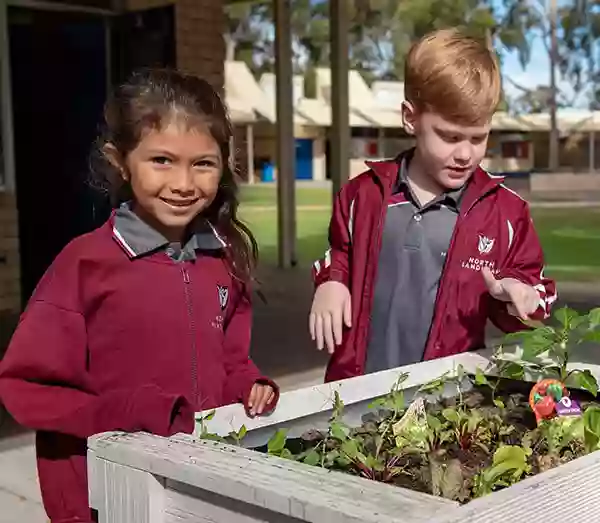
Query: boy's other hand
x=331 y=310
x=523 y=300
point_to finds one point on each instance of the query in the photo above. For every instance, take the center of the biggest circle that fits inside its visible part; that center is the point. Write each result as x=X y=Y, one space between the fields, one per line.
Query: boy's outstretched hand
x=260 y=396
x=523 y=300
x=331 y=310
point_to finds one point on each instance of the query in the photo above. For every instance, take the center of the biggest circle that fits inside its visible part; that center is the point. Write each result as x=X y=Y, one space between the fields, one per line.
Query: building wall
x=9 y=254
x=200 y=44
x=200 y=50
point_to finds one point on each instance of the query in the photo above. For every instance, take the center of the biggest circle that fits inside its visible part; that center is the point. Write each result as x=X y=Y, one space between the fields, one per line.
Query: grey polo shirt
x=141 y=239
x=413 y=251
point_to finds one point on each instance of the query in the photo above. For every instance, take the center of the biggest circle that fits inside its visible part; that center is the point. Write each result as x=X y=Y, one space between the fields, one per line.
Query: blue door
x=304 y=159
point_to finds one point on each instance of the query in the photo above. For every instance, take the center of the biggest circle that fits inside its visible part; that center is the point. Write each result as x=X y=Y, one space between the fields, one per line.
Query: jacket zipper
x=194 y=355
x=375 y=248
x=442 y=283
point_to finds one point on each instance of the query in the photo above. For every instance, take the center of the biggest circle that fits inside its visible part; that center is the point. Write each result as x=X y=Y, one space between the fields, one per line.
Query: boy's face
x=448 y=152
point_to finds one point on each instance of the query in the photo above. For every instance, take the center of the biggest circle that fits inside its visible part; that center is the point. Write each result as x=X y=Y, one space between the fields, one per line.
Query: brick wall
x=199 y=26
x=200 y=44
x=10 y=299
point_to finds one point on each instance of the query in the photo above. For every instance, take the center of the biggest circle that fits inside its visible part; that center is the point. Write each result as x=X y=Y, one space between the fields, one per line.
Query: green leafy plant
x=276 y=445
x=482 y=380
x=204 y=433
x=591 y=428
x=546 y=350
x=508 y=467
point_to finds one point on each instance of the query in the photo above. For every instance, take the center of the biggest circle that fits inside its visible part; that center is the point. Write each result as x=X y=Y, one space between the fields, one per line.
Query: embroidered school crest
x=223 y=293
x=485 y=244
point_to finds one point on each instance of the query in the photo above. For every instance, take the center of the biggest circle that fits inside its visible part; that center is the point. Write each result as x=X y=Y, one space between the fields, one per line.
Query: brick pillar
x=199 y=28
x=10 y=286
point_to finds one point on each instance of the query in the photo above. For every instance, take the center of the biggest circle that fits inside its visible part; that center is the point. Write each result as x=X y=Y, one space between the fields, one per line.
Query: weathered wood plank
x=187 y=504
x=280 y=486
x=123 y=494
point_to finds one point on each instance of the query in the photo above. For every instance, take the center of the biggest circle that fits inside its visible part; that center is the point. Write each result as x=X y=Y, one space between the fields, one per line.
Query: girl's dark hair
x=147 y=101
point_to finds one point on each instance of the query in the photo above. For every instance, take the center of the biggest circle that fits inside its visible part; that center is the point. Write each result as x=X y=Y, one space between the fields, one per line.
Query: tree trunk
x=554 y=135
x=229 y=47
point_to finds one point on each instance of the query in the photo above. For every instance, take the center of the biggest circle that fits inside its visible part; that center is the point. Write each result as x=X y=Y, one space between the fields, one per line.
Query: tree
x=247 y=37
x=580 y=48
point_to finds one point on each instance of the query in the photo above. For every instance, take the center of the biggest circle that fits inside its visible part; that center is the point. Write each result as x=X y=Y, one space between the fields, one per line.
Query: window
x=514 y=150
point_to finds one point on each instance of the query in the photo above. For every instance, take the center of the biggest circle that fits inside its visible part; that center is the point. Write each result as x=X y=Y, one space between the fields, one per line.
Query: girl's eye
x=161 y=160
x=206 y=163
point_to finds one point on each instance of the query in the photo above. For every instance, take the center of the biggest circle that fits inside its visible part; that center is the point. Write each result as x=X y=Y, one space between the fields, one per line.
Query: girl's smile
x=174 y=173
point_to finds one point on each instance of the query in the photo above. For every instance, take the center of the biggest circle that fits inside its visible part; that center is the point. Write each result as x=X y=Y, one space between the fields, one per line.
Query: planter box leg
x=122 y=494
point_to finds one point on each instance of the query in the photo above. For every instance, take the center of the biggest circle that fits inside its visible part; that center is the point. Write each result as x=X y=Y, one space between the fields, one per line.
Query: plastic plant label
x=567 y=407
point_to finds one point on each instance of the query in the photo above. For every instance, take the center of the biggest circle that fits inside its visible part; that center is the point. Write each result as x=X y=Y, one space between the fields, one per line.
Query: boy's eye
x=450 y=138
x=161 y=160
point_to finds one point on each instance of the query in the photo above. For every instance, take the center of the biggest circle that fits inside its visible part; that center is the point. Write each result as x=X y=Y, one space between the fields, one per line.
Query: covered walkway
x=340 y=112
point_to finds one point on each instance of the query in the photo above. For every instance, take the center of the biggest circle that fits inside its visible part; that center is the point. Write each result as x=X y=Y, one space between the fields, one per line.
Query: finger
x=336 y=325
x=312 y=321
x=328 y=333
x=262 y=401
x=319 y=331
x=348 y=312
x=252 y=397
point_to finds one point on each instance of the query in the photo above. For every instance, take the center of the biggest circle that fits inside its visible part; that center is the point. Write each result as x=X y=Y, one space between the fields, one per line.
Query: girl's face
x=174 y=174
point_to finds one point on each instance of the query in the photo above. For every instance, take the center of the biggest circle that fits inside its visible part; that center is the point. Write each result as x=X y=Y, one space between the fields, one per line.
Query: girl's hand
x=260 y=396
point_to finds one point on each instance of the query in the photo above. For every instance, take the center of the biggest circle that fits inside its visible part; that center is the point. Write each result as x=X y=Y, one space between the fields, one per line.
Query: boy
x=424 y=249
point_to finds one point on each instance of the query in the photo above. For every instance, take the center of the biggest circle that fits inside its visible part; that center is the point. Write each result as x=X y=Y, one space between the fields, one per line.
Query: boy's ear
x=409 y=117
x=112 y=155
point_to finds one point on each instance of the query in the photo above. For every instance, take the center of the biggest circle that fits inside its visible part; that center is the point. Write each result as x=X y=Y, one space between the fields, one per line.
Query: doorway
x=59 y=80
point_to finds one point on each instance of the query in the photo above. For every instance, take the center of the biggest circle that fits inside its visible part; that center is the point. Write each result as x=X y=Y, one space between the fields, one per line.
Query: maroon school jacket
x=494 y=229
x=108 y=342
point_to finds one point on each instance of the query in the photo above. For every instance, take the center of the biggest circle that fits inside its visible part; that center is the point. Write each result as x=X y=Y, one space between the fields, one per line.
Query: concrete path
x=20 y=499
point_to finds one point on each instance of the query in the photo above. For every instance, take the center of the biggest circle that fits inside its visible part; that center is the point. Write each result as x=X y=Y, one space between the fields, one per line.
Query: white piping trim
x=396 y=204
x=492 y=176
x=513 y=192
x=327 y=258
x=351 y=220
x=317 y=266
x=511 y=233
x=217 y=235
x=123 y=243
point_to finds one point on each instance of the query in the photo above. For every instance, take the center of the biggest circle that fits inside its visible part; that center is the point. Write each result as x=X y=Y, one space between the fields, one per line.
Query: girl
x=147 y=319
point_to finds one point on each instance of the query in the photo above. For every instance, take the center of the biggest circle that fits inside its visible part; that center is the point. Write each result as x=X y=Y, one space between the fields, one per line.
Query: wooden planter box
x=139 y=478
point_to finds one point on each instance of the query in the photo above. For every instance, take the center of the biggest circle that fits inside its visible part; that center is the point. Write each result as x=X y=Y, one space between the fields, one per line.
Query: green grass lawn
x=570 y=237
x=265 y=195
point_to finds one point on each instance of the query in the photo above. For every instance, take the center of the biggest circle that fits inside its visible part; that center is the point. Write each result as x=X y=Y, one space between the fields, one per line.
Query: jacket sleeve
x=334 y=266
x=44 y=382
x=525 y=263
x=241 y=371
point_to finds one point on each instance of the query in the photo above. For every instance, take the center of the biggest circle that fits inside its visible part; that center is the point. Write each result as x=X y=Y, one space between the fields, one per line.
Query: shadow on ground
x=281 y=344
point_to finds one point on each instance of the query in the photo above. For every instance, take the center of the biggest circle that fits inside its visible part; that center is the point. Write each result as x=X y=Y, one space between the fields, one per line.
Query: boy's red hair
x=453 y=75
